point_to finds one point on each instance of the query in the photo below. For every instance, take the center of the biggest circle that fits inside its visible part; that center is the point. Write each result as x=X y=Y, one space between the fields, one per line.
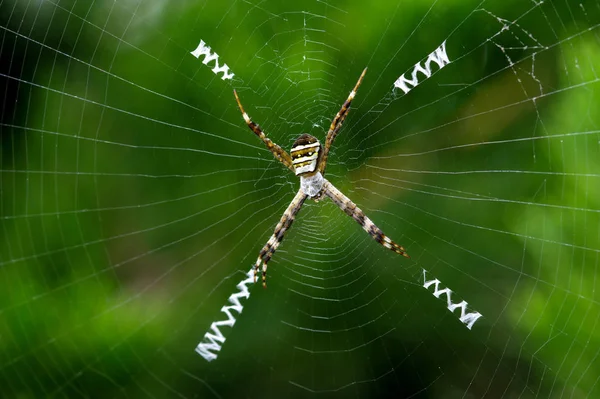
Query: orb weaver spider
x=308 y=160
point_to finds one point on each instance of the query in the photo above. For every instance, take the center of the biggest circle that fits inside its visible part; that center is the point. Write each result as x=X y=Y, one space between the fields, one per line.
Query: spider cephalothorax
x=308 y=160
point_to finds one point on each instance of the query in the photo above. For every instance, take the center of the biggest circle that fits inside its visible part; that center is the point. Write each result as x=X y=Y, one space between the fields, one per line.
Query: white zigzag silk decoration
x=468 y=319
x=439 y=56
x=214 y=339
x=203 y=49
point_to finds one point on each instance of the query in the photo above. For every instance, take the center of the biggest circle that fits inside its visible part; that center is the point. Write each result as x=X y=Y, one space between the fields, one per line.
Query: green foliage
x=133 y=199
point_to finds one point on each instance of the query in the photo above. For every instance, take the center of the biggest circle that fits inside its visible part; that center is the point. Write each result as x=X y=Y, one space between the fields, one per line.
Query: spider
x=308 y=160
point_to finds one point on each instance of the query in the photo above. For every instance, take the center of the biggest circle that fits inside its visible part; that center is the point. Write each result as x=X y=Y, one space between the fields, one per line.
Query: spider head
x=306 y=152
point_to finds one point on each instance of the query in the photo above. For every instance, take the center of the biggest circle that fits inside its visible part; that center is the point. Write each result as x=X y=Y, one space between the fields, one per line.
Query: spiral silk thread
x=468 y=319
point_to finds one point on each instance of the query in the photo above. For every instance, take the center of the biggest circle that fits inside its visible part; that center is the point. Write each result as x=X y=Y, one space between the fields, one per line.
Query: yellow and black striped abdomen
x=305 y=154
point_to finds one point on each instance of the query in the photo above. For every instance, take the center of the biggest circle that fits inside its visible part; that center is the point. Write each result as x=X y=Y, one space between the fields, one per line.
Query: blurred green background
x=134 y=199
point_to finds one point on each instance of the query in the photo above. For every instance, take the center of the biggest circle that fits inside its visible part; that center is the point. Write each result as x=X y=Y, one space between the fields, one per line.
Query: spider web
x=134 y=199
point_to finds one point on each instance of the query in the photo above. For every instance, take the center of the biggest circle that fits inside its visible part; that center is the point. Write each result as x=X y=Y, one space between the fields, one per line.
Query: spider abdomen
x=305 y=154
x=312 y=185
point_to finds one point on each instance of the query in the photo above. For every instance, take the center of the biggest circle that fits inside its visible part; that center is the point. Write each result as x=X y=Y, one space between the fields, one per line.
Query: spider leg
x=345 y=204
x=280 y=154
x=336 y=124
x=284 y=224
